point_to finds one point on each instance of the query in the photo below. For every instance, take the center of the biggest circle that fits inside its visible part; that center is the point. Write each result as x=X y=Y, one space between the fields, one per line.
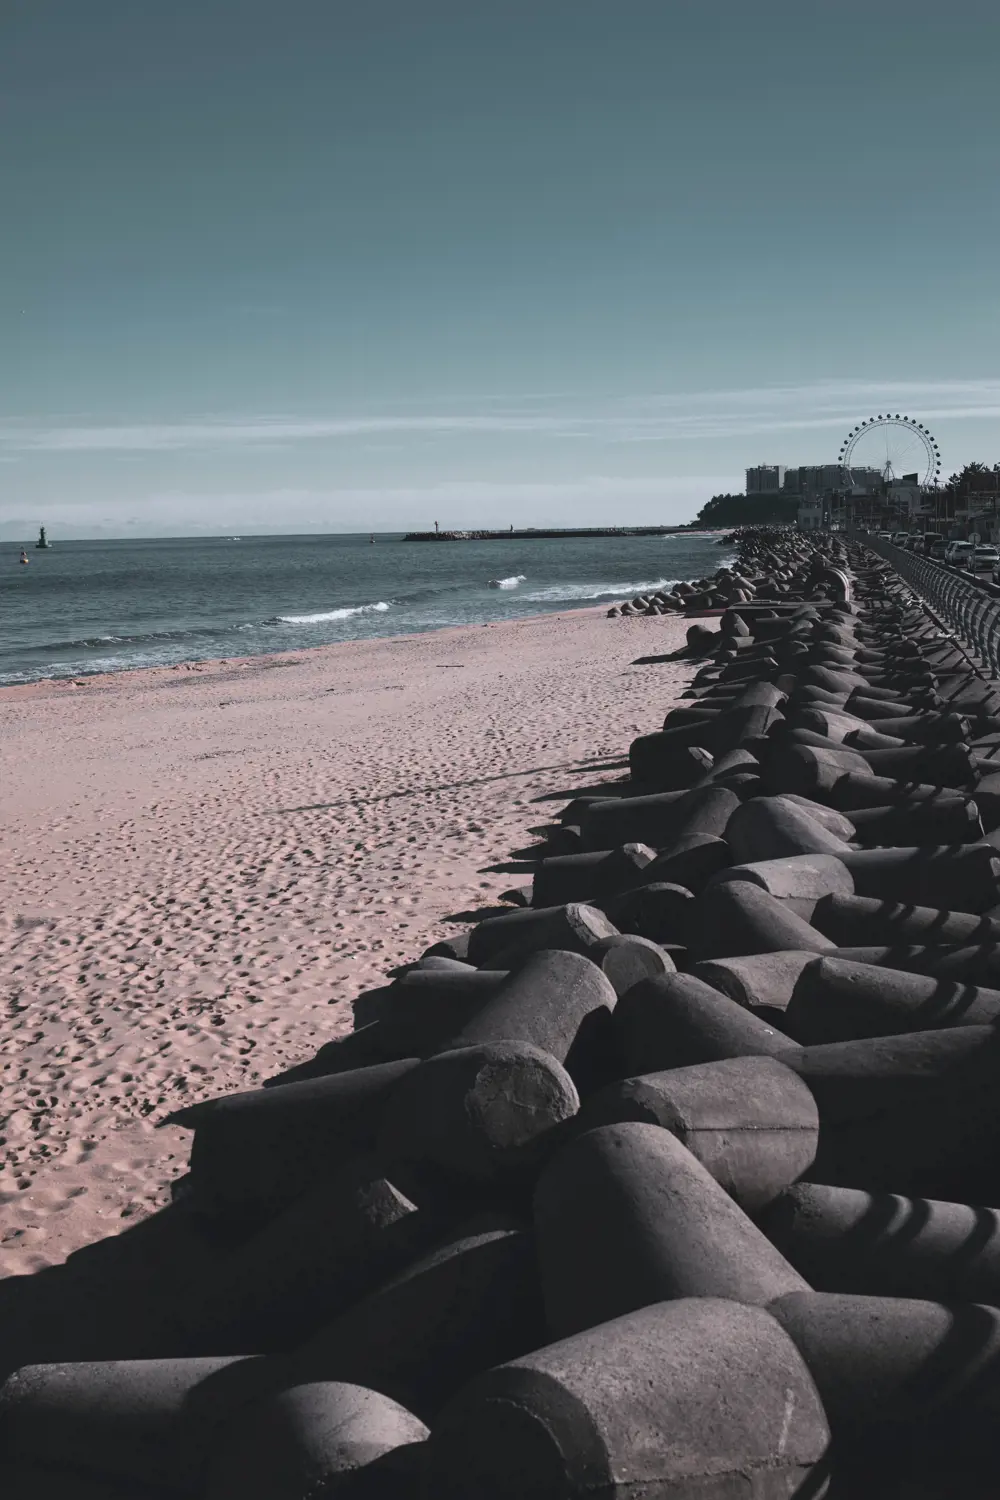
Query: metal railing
x=969 y=608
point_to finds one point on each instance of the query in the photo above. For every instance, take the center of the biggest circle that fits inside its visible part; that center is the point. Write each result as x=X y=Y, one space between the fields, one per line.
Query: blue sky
x=341 y=266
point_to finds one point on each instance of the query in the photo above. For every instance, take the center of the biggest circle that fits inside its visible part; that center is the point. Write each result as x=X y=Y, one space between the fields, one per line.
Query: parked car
x=960 y=553
x=885 y=536
x=929 y=540
x=901 y=538
x=937 y=550
x=985 y=558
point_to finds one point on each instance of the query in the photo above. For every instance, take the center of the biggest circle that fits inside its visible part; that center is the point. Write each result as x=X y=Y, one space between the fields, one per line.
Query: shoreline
x=293 y=653
x=201 y=880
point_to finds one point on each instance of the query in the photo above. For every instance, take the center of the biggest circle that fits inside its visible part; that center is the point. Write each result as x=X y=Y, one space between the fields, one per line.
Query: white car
x=985 y=558
x=959 y=553
x=901 y=538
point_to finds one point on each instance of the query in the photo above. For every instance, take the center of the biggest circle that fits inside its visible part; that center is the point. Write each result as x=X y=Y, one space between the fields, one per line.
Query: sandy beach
x=203 y=866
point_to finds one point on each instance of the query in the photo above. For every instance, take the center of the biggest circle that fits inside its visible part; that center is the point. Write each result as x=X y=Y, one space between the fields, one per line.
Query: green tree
x=741 y=510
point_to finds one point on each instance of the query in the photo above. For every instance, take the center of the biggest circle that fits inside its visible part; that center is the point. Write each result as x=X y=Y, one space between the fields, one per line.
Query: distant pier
x=533 y=534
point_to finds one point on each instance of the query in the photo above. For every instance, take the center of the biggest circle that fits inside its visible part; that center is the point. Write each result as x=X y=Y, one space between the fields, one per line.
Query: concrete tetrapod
x=576 y=877
x=836 y=1001
x=690 y=862
x=625 y=1216
x=881 y=1363
x=677 y=1021
x=749 y=1120
x=255 y=1152
x=559 y=1002
x=696 y=1399
x=766 y=828
x=858 y=1081
x=629 y=959
x=609 y=822
x=762 y=982
x=965 y=875
x=661 y=912
x=573 y=929
x=309 y=1441
x=428 y=1001
x=477 y=1110
x=737 y=918
x=858 y=921
x=881 y=1244
x=151 y=1421
x=306 y=1265
x=936 y=1132
x=795 y=878
x=464 y=1307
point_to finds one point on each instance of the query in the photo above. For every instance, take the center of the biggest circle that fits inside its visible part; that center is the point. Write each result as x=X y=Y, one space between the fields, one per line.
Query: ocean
x=108 y=606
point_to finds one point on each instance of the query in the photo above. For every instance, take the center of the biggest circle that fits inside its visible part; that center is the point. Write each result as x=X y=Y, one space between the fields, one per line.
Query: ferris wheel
x=895 y=446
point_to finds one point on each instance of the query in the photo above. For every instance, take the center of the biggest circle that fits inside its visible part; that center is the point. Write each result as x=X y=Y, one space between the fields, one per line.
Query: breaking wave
x=333 y=614
x=578 y=591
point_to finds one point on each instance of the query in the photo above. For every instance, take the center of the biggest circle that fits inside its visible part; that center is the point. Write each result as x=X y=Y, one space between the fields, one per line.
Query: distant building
x=905 y=498
x=765 y=479
x=829 y=479
x=811 y=514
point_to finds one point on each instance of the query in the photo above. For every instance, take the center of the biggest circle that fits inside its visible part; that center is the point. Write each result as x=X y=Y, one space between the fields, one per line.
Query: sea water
x=106 y=606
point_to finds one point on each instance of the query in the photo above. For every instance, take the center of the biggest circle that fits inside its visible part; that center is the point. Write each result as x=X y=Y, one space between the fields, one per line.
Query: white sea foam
x=570 y=591
x=507 y=583
x=334 y=614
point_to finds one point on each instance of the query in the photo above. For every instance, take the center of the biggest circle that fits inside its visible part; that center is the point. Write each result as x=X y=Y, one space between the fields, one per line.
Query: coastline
x=240 y=664
x=207 y=863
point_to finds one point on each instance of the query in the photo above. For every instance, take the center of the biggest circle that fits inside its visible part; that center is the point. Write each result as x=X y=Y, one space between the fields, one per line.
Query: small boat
x=24 y=559
x=43 y=543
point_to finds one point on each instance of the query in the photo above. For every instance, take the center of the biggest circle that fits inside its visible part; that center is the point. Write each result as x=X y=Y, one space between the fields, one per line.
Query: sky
x=343 y=265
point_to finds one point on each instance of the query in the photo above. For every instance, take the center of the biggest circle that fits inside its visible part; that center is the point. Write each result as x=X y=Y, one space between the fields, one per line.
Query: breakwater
x=534 y=534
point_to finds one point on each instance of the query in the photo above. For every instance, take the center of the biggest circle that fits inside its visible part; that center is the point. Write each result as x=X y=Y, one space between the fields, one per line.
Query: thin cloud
x=640 y=419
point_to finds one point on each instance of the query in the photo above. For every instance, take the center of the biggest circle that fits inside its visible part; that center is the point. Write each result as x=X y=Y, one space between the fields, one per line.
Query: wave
x=557 y=591
x=332 y=614
x=506 y=583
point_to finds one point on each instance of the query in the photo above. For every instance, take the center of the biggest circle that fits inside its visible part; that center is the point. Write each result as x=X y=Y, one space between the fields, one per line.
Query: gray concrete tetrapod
x=560 y=1002
x=749 y=1120
x=148 y=1421
x=775 y=827
x=255 y=1152
x=308 y=1441
x=856 y=921
x=762 y=982
x=843 y=1239
x=457 y=1311
x=738 y=918
x=574 y=928
x=626 y=1216
x=696 y=1397
x=661 y=911
x=928 y=1371
x=326 y=1249
x=477 y=1110
x=577 y=877
x=629 y=959
x=677 y=1021
x=836 y=1000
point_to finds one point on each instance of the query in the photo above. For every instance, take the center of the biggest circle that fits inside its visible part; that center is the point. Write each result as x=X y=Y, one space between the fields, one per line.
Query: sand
x=202 y=866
